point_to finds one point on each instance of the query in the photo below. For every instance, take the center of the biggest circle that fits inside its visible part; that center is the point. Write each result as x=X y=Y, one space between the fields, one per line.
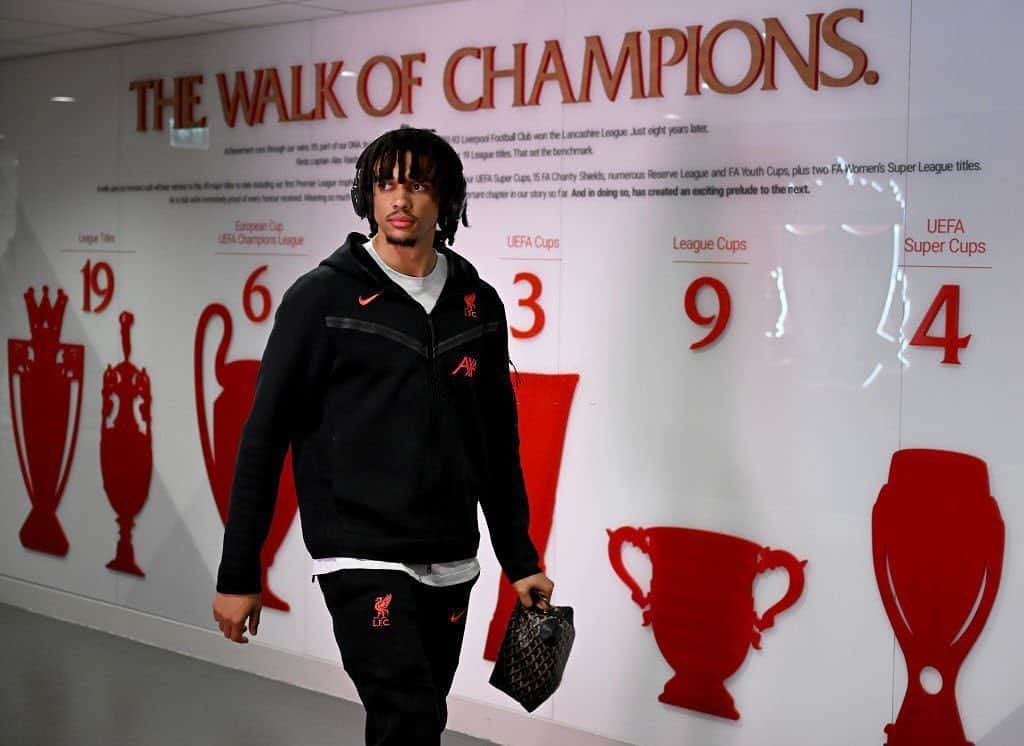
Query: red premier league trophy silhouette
x=544 y=401
x=230 y=409
x=41 y=373
x=937 y=541
x=126 y=446
x=701 y=605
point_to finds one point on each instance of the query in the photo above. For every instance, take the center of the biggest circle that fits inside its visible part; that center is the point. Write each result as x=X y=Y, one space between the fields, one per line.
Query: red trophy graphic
x=544 y=401
x=701 y=605
x=126 y=446
x=938 y=553
x=41 y=373
x=237 y=380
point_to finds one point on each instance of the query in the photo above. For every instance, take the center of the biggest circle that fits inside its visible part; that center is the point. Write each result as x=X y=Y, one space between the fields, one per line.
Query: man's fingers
x=236 y=632
x=235 y=613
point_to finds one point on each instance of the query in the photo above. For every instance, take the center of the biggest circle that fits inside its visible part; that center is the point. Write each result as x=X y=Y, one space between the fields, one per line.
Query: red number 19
x=91 y=274
x=717 y=321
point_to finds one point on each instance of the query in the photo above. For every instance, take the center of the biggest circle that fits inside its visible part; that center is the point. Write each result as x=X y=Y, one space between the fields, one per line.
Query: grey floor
x=65 y=685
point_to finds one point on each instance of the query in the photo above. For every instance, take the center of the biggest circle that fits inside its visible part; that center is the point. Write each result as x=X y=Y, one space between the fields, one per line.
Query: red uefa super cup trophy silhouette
x=220 y=448
x=44 y=378
x=126 y=446
x=701 y=605
x=938 y=554
x=543 y=401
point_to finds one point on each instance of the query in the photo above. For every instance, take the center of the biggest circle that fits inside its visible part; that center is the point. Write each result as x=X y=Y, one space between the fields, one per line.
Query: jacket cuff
x=238 y=583
x=521 y=570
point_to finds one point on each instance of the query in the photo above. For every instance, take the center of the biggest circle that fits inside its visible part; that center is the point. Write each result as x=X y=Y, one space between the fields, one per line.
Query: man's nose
x=400 y=194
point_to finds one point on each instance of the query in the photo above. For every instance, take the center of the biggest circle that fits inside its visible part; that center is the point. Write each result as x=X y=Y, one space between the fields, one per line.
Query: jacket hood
x=351 y=259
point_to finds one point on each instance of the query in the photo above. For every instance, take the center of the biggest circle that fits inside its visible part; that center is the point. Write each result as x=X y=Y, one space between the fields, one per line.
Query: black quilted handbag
x=533 y=653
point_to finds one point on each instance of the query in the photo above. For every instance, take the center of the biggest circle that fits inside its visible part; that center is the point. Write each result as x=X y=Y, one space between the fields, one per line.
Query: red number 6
x=719 y=319
x=252 y=289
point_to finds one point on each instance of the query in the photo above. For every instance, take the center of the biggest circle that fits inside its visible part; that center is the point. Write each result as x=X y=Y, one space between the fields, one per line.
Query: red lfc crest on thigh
x=382 y=608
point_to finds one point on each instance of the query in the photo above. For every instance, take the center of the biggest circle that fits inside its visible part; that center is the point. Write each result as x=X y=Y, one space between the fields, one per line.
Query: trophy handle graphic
x=638 y=538
x=212 y=310
x=772 y=559
x=880 y=557
x=72 y=363
x=994 y=543
x=19 y=360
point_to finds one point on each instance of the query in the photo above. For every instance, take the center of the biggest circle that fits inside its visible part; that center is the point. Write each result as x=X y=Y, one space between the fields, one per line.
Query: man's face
x=406 y=211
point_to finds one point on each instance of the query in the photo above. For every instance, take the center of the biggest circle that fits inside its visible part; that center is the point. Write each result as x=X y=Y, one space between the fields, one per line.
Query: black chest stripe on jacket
x=337 y=322
x=447 y=344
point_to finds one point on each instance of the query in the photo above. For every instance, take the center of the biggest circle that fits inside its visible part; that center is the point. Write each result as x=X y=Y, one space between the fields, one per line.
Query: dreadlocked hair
x=432 y=159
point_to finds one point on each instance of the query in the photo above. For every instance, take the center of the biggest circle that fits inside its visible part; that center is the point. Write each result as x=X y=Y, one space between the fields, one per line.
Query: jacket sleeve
x=287 y=375
x=505 y=504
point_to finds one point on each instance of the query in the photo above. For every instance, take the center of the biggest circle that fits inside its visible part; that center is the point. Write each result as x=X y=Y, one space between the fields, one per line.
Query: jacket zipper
x=432 y=356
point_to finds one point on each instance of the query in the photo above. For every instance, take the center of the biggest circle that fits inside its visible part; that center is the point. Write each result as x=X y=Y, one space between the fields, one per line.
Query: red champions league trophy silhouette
x=937 y=541
x=220 y=448
x=41 y=373
x=126 y=446
x=543 y=402
x=701 y=605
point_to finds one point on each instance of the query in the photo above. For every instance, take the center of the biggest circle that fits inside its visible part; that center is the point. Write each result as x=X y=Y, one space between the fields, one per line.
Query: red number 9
x=719 y=319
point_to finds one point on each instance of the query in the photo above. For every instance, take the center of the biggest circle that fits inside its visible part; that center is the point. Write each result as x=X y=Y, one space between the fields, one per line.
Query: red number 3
x=536 y=288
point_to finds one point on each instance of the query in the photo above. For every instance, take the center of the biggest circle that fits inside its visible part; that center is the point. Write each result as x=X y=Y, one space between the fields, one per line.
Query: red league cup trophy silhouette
x=126 y=446
x=544 y=401
x=230 y=409
x=937 y=541
x=701 y=605
x=41 y=373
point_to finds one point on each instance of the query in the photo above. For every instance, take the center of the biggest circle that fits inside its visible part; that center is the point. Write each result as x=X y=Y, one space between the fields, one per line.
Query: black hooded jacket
x=399 y=421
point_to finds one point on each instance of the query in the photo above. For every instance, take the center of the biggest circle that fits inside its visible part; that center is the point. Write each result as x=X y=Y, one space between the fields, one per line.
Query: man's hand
x=231 y=613
x=539 y=582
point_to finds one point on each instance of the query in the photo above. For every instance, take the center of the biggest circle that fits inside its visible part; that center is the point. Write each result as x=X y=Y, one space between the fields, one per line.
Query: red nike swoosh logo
x=456 y=617
x=367 y=301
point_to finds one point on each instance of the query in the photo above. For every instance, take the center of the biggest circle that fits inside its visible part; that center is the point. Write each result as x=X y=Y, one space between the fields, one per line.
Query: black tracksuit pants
x=400 y=642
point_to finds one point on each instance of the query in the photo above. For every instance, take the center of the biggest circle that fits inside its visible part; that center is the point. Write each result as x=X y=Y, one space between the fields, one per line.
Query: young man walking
x=387 y=374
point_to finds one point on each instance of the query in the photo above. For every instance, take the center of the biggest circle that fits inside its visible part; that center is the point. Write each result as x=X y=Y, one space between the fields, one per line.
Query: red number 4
x=951 y=343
